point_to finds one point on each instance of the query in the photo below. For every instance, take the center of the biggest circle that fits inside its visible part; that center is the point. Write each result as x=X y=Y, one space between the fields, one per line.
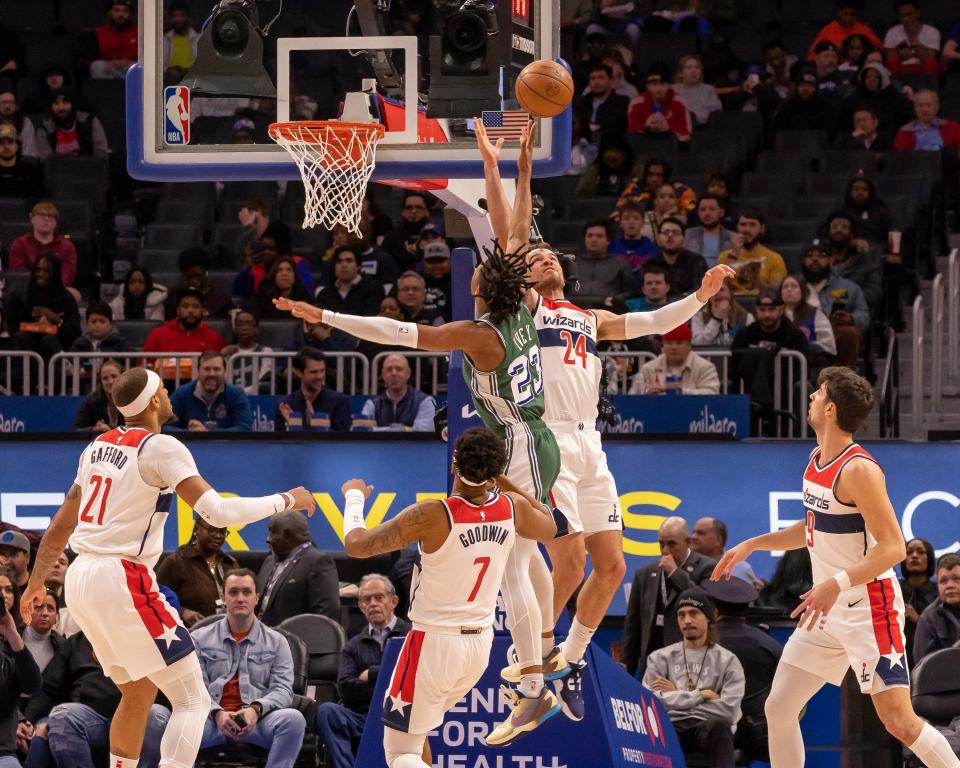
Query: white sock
x=933 y=749
x=531 y=685
x=546 y=645
x=577 y=641
x=123 y=762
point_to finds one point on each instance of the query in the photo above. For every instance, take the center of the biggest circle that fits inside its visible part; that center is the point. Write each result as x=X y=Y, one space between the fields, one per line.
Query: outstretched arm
x=632 y=325
x=414 y=523
x=793 y=537
x=522 y=214
x=240 y=510
x=52 y=544
x=497 y=206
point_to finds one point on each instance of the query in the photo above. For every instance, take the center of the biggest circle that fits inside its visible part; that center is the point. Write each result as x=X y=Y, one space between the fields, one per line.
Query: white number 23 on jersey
x=526 y=376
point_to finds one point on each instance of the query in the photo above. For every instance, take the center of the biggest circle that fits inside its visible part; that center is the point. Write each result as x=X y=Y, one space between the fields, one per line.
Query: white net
x=336 y=160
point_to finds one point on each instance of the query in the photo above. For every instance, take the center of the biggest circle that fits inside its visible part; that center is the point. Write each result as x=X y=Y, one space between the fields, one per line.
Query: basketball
x=544 y=88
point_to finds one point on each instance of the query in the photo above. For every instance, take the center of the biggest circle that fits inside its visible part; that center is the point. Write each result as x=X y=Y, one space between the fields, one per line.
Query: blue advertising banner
x=696 y=414
x=753 y=487
x=625 y=723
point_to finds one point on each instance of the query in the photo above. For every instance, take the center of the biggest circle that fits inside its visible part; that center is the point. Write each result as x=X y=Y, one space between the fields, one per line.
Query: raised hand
x=525 y=159
x=303 y=500
x=713 y=280
x=300 y=309
x=488 y=151
x=356 y=484
x=731 y=557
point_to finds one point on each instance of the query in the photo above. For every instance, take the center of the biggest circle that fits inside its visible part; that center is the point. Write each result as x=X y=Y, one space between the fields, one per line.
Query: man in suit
x=651 y=620
x=296 y=577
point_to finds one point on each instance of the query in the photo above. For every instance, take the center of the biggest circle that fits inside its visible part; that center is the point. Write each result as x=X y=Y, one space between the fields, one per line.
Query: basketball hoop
x=336 y=159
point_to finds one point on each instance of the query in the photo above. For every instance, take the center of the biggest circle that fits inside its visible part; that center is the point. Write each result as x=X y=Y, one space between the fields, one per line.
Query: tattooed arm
x=51 y=547
x=424 y=521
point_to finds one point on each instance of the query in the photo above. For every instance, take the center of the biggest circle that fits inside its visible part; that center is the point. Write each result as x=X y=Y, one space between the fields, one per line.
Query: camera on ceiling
x=464 y=63
x=229 y=59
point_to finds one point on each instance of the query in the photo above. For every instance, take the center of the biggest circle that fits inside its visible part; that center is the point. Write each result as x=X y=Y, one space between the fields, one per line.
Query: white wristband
x=353 y=511
x=843 y=580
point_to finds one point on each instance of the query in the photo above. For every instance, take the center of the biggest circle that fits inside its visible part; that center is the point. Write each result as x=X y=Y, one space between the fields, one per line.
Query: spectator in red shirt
x=188 y=332
x=928 y=132
x=847 y=23
x=658 y=109
x=44 y=240
x=114 y=45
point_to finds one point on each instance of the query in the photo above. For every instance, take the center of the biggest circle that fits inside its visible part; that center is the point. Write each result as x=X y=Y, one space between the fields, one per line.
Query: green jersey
x=512 y=394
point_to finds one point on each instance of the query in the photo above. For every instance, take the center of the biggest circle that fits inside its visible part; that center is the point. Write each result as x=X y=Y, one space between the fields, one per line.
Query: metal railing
x=23 y=368
x=351 y=371
x=890 y=389
x=953 y=315
x=936 y=341
x=72 y=369
x=917 y=371
x=797 y=387
x=437 y=362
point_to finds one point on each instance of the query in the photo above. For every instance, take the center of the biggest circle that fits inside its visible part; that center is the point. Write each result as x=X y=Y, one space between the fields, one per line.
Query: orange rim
x=306 y=130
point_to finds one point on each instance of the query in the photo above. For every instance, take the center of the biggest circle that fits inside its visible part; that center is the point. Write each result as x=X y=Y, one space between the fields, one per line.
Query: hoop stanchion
x=336 y=159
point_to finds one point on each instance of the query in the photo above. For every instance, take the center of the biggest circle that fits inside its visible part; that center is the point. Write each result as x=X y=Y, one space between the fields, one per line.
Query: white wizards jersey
x=457 y=585
x=126 y=478
x=572 y=367
x=837 y=536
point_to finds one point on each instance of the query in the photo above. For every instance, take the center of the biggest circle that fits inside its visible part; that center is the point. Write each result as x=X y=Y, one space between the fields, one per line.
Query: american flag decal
x=506 y=125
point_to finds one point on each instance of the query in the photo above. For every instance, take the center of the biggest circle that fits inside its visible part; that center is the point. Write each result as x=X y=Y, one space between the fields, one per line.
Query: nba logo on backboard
x=176 y=119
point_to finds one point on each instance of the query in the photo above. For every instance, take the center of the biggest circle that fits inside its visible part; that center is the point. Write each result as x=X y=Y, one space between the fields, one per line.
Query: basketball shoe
x=527 y=715
x=554 y=666
x=570 y=691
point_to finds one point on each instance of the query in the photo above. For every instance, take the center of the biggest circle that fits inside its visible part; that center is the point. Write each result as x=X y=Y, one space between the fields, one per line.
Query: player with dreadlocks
x=585 y=492
x=502 y=370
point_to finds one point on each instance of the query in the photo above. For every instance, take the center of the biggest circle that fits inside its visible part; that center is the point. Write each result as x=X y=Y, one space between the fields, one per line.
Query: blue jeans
x=340 y=729
x=75 y=730
x=9 y=761
x=280 y=731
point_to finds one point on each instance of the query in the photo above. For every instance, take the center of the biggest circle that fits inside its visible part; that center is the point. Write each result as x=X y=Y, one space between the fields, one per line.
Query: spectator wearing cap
x=651 y=620
x=807 y=109
x=840 y=299
x=186 y=332
x=603 y=277
x=757 y=266
x=928 y=132
x=111 y=48
x=436 y=275
x=429 y=233
x=400 y=406
x=865 y=134
x=10 y=114
x=15 y=555
x=911 y=46
x=678 y=369
x=179 y=43
x=853 y=257
x=833 y=84
x=659 y=110
x=757 y=652
x=846 y=23
x=350 y=291
x=52 y=79
x=601 y=110
x=209 y=404
x=243 y=131
x=875 y=91
x=66 y=131
x=194 y=266
x=19 y=176
x=44 y=239
x=685 y=268
x=700 y=682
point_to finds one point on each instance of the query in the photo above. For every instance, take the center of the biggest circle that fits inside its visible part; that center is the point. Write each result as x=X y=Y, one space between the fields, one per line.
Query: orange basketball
x=544 y=88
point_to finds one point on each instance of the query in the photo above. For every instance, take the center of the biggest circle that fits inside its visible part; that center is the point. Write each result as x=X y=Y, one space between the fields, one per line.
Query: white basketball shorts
x=863 y=631
x=131 y=626
x=434 y=671
x=585 y=491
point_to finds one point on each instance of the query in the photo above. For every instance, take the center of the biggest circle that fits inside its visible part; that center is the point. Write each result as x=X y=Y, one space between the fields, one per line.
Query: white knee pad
x=182 y=683
x=403 y=750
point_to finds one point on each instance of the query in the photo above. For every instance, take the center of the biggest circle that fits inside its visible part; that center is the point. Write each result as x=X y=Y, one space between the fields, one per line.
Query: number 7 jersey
x=512 y=394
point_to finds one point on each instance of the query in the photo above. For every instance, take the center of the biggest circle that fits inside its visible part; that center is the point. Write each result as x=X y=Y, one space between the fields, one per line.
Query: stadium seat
x=136 y=331
x=220 y=325
x=193 y=212
x=280 y=334
x=646 y=146
x=324 y=639
x=796 y=231
x=172 y=236
x=14 y=282
x=158 y=259
x=845 y=161
x=814 y=206
x=936 y=686
x=14 y=210
x=770 y=184
x=783 y=163
x=76 y=218
x=807 y=143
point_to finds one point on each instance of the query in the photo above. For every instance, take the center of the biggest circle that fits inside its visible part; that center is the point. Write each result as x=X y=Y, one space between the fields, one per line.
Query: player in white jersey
x=853 y=616
x=585 y=491
x=464 y=543
x=113 y=516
